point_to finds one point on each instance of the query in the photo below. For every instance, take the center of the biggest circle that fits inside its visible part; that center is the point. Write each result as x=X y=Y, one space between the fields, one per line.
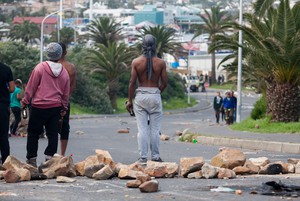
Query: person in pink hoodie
x=47 y=92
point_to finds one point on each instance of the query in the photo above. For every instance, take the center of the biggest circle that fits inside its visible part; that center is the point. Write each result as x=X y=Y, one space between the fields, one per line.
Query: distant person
x=219 y=79
x=65 y=130
x=15 y=106
x=235 y=102
x=223 y=79
x=218 y=100
x=202 y=82
x=150 y=71
x=229 y=106
x=47 y=91
x=7 y=86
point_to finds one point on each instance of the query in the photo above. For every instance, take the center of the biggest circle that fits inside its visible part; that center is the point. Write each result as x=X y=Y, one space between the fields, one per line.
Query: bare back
x=159 y=71
x=72 y=74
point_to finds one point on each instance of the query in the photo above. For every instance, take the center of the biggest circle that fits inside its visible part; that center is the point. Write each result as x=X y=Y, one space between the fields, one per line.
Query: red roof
x=35 y=20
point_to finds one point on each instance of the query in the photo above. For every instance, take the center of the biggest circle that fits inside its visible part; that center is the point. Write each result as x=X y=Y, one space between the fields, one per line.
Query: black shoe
x=32 y=162
x=142 y=160
x=157 y=160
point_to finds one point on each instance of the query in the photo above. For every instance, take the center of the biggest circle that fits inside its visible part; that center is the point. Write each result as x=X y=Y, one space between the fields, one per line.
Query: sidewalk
x=222 y=135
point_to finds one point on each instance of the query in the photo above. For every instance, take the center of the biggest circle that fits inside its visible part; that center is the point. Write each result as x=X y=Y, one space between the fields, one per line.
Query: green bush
x=89 y=95
x=20 y=58
x=259 y=110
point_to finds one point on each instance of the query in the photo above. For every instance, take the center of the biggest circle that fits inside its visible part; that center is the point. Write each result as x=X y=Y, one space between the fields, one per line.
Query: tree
x=105 y=30
x=272 y=51
x=165 y=43
x=66 y=35
x=25 y=32
x=111 y=61
x=214 y=25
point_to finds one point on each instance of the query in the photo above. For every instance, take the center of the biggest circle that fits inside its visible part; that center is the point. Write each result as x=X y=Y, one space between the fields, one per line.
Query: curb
x=283 y=147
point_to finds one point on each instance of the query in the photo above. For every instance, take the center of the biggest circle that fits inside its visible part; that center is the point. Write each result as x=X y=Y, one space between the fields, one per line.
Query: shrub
x=259 y=110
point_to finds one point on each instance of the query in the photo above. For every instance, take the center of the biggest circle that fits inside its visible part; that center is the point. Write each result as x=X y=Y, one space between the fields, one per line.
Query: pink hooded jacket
x=48 y=86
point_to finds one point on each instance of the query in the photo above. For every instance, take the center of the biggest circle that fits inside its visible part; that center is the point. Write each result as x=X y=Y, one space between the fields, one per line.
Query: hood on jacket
x=55 y=68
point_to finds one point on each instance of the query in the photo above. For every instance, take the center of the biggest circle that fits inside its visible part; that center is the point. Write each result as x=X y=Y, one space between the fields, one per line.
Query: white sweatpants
x=148 y=103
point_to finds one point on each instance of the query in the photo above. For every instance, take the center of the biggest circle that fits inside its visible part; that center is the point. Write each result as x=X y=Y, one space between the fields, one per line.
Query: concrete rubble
x=228 y=164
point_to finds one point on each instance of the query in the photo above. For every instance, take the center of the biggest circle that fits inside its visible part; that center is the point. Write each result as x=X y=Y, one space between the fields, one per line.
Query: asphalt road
x=101 y=133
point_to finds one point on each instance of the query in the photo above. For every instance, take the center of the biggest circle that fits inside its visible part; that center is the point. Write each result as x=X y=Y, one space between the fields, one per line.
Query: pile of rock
x=226 y=165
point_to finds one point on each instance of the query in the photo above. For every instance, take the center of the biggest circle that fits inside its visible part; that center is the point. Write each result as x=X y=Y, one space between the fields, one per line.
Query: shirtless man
x=65 y=129
x=150 y=71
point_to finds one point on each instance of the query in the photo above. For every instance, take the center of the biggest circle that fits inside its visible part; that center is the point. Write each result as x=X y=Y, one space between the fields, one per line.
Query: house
x=50 y=24
x=149 y=13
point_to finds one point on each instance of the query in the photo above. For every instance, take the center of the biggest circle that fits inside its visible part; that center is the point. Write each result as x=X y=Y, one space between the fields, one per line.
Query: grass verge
x=172 y=104
x=77 y=110
x=229 y=86
x=265 y=126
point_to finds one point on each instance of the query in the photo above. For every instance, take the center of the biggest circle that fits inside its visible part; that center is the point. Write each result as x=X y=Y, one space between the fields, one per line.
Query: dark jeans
x=39 y=118
x=65 y=129
x=4 y=126
x=17 y=114
x=229 y=115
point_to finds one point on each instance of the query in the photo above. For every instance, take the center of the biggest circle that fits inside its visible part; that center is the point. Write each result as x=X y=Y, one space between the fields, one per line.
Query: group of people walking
x=226 y=107
x=47 y=97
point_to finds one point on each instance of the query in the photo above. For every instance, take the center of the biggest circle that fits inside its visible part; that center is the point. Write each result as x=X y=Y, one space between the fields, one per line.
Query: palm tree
x=25 y=32
x=214 y=25
x=272 y=51
x=66 y=35
x=111 y=61
x=165 y=43
x=104 y=30
x=261 y=6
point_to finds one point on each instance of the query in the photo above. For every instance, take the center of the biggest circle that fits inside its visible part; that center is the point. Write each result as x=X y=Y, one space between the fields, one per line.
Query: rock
x=189 y=165
x=271 y=169
x=178 y=133
x=58 y=166
x=137 y=166
x=79 y=133
x=284 y=166
x=195 y=175
x=105 y=157
x=229 y=158
x=161 y=169
x=105 y=173
x=164 y=137
x=91 y=170
x=123 y=131
x=63 y=179
x=261 y=161
x=79 y=168
x=119 y=166
x=226 y=174
x=293 y=160
x=10 y=176
x=12 y=163
x=254 y=169
x=129 y=174
x=133 y=183
x=238 y=192
x=291 y=168
x=143 y=178
x=149 y=186
x=2 y=168
x=256 y=126
x=209 y=171
x=241 y=170
x=2 y=174
x=297 y=168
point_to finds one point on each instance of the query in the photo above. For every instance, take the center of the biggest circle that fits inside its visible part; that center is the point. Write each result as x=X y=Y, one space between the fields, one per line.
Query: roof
x=35 y=20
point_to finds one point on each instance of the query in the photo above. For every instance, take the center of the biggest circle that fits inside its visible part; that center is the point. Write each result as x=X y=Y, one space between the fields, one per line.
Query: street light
x=239 y=77
x=42 y=32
